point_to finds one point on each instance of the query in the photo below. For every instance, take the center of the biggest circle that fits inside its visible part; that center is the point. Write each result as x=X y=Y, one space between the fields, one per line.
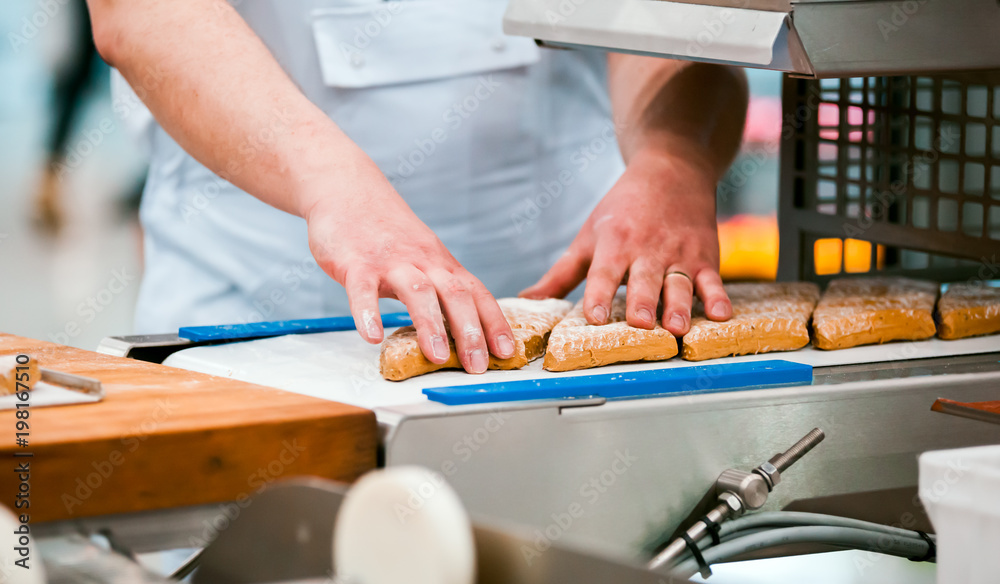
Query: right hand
x=372 y=243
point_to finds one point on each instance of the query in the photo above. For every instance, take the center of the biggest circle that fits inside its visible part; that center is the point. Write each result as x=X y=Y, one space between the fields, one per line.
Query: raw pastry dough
x=968 y=311
x=530 y=321
x=9 y=373
x=574 y=344
x=770 y=316
x=865 y=311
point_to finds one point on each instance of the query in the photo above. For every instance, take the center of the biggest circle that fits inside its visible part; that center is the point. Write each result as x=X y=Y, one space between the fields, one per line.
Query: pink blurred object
x=763 y=121
x=829 y=121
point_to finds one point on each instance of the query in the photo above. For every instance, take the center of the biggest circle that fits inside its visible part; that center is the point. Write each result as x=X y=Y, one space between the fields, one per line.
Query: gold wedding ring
x=679 y=273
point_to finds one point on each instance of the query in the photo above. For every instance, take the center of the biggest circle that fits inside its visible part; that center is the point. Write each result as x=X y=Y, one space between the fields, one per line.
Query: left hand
x=658 y=219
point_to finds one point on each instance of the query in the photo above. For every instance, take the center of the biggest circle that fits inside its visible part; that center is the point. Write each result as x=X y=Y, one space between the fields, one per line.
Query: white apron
x=501 y=148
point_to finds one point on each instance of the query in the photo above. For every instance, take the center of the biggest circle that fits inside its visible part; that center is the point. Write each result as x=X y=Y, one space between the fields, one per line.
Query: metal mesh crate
x=900 y=174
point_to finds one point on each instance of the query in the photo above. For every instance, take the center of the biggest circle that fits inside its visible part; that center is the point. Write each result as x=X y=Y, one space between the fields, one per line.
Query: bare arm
x=680 y=127
x=690 y=110
x=216 y=89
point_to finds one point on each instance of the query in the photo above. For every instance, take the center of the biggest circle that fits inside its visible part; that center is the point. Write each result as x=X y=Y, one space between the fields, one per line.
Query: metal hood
x=815 y=38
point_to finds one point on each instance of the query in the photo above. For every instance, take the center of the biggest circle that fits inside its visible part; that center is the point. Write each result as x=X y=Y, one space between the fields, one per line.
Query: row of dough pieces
x=766 y=317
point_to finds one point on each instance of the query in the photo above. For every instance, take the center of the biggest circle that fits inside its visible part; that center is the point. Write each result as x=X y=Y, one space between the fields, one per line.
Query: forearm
x=216 y=89
x=695 y=111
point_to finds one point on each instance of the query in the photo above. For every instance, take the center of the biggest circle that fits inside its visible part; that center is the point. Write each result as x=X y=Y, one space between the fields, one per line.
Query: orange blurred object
x=828 y=255
x=748 y=247
x=748 y=250
x=833 y=256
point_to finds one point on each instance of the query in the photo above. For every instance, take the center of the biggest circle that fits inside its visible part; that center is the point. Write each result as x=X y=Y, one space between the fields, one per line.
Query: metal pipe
x=695 y=532
x=731 y=503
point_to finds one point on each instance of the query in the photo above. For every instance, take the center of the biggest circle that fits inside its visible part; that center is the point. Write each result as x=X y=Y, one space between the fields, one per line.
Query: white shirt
x=503 y=149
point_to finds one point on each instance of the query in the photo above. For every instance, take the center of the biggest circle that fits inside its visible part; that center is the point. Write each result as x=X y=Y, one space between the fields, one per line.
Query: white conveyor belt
x=340 y=366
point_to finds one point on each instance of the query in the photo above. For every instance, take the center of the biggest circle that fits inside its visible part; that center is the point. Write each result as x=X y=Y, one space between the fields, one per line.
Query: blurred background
x=70 y=247
x=70 y=244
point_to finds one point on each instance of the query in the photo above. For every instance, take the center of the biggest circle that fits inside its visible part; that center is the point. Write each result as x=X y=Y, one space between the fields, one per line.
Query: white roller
x=403 y=524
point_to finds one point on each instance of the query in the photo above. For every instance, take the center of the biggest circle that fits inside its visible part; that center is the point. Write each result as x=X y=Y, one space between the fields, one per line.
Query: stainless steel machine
x=816 y=38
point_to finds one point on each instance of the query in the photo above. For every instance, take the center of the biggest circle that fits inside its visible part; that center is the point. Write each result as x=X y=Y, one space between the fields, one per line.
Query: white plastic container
x=961 y=491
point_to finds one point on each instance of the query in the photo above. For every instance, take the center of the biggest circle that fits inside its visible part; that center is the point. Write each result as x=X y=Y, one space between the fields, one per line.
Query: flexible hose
x=844 y=537
x=796 y=518
x=768 y=521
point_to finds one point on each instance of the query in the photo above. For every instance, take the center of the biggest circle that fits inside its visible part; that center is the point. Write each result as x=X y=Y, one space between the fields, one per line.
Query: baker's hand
x=376 y=247
x=656 y=231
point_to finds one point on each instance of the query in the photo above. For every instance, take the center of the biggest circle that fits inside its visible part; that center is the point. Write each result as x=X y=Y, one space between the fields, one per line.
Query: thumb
x=560 y=280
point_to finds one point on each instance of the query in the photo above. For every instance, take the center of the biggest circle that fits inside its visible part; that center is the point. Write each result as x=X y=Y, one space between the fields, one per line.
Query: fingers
x=568 y=271
x=643 y=294
x=459 y=307
x=414 y=289
x=603 y=278
x=499 y=336
x=362 y=293
x=678 y=291
x=708 y=283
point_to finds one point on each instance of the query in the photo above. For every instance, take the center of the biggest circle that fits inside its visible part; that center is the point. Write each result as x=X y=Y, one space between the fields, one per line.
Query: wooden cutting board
x=166 y=437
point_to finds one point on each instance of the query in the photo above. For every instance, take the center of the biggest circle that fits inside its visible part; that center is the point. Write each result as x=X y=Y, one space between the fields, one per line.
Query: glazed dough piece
x=866 y=311
x=531 y=321
x=574 y=344
x=969 y=311
x=9 y=373
x=769 y=316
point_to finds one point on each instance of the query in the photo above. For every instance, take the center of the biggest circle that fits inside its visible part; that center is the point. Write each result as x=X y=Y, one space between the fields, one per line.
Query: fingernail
x=505 y=346
x=677 y=322
x=645 y=315
x=718 y=310
x=372 y=325
x=440 y=348
x=478 y=361
x=600 y=314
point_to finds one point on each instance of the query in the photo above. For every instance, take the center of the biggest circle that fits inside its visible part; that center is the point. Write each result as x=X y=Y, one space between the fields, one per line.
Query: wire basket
x=896 y=175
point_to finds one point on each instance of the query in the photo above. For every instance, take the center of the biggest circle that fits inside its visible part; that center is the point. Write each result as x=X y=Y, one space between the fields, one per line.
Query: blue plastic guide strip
x=277 y=328
x=699 y=378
